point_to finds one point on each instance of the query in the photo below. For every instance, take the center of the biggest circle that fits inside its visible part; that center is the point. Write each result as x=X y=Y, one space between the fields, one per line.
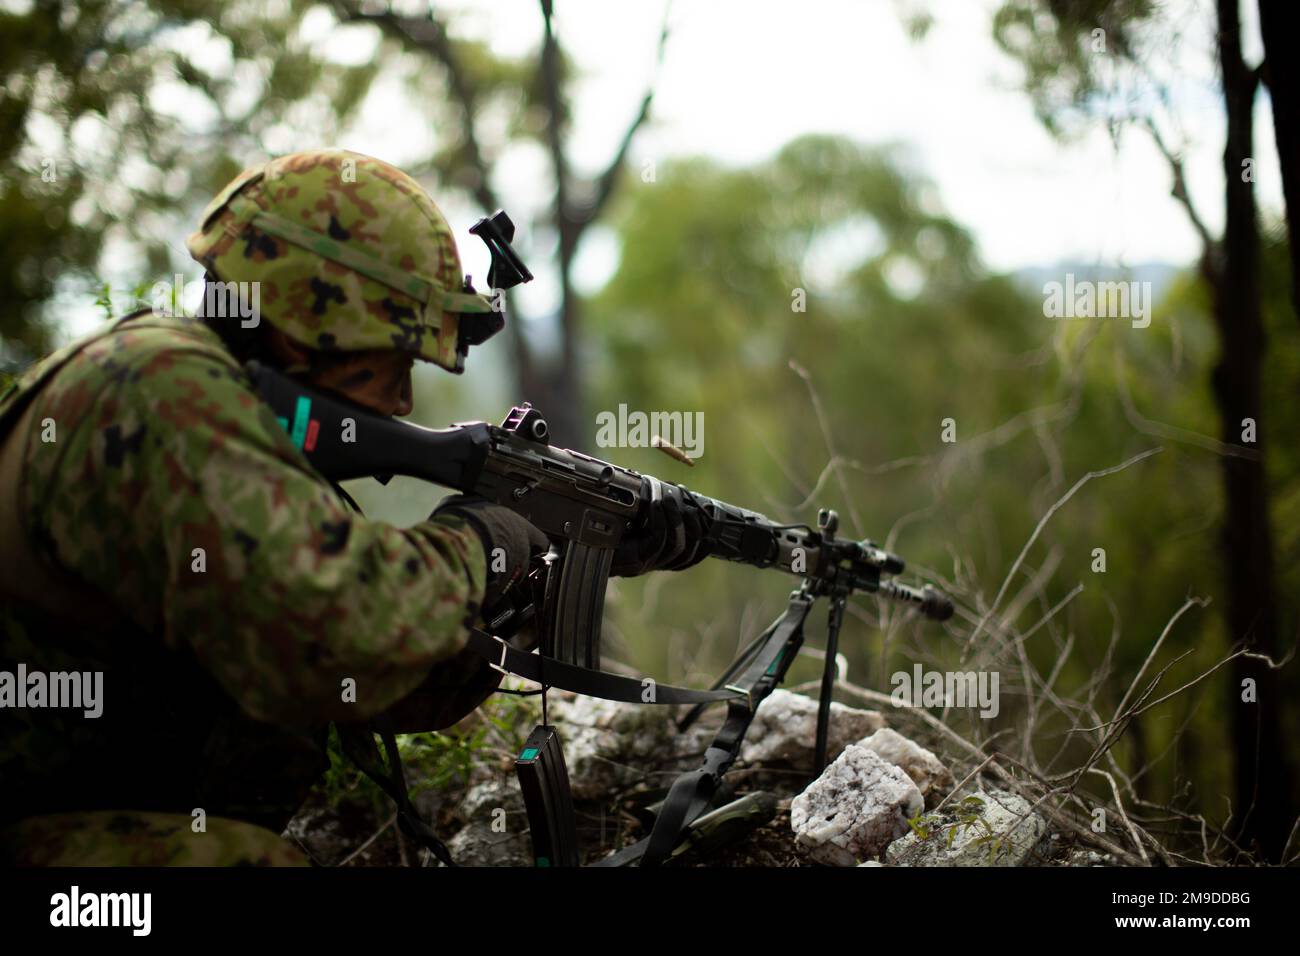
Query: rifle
x=586 y=506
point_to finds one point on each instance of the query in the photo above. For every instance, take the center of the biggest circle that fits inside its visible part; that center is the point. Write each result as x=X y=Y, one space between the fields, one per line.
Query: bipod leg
x=734 y=668
x=833 y=622
x=692 y=792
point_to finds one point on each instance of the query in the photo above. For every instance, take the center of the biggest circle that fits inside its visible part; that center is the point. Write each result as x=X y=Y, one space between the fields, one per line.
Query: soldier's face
x=380 y=380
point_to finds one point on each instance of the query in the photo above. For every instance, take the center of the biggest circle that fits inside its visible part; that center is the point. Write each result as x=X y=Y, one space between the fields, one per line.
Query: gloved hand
x=459 y=685
x=671 y=540
x=498 y=527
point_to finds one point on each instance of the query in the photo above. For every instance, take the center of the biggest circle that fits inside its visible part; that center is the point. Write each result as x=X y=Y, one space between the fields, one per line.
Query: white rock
x=480 y=845
x=989 y=833
x=482 y=800
x=785 y=729
x=929 y=774
x=608 y=744
x=855 y=809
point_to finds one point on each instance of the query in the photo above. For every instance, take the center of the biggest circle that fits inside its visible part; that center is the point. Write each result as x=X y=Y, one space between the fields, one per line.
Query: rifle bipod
x=689 y=816
x=544 y=783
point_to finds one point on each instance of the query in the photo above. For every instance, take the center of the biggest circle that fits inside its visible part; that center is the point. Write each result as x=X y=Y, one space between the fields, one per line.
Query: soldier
x=159 y=526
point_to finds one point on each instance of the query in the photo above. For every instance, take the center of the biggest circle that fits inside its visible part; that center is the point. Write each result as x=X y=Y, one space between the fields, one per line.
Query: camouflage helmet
x=350 y=254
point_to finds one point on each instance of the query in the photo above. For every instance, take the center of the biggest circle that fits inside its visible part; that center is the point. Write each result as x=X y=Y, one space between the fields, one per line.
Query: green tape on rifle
x=301 y=415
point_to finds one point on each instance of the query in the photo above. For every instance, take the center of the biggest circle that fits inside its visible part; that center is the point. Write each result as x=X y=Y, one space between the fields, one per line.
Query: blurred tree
x=825 y=317
x=1095 y=59
x=120 y=118
x=466 y=83
x=1282 y=76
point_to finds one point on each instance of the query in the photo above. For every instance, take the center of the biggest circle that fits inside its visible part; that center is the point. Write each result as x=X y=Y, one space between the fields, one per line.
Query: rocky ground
x=885 y=798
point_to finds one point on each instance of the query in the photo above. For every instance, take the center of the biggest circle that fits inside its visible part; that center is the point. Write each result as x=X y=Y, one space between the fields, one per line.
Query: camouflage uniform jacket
x=179 y=542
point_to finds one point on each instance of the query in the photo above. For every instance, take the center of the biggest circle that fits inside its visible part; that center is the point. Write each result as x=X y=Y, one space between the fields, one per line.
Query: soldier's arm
x=197 y=514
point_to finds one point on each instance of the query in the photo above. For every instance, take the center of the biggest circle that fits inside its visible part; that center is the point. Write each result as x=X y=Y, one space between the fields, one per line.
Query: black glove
x=672 y=538
x=459 y=685
x=498 y=527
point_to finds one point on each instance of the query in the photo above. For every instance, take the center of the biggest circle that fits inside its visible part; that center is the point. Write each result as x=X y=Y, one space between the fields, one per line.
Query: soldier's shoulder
x=144 y=342
x=144 y=361
x=144 y=351
x=132 y=350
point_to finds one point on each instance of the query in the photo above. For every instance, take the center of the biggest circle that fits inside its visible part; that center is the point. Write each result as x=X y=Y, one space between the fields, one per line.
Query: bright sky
x=743 y=77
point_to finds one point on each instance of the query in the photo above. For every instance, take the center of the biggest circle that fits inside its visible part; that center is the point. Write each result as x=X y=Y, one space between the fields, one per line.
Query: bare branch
x=1169 y=626
x=830 y=443
x=1137 y=841
x=1179 y=192
x=1039 y=528
x=429 y=35
x=1170 y=432
x=351 y=856
x=607 y=179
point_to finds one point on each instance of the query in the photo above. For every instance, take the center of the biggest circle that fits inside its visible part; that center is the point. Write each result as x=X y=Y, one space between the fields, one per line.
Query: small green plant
x=918 y=826
x=137 y=298
x=435 y=760
x=343 y=779
x=968 y=814
x=104 y=299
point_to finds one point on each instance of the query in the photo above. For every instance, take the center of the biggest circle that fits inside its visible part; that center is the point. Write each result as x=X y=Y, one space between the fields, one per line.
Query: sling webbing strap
x=692 y=793
x=359 y=744
x=550 y=672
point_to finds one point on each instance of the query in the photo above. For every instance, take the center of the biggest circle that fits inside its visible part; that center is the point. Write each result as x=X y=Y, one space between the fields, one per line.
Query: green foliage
x=1076 y=52
x=966 y=815
x=137 y=297
x=119 y=120
x=903 y=329
x=917 y=825
x=342 y=777
x=447 y=758
x=442 y=760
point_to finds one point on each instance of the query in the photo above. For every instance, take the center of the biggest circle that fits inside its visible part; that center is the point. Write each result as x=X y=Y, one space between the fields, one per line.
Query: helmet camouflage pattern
x=350 y=254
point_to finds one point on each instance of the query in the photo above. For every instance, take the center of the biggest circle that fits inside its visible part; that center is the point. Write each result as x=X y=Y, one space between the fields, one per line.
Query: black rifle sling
x=692 y=792
x=549 y=672
x=359 y=744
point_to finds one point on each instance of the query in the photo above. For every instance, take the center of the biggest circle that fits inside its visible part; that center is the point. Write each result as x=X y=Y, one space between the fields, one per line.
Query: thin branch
x=1179 y=192
x=829 y=440
x=1155 y=648
x=1137 y=841
x=605 y=183
x=1171 y=432
x=1039 y=528
x=351 y=856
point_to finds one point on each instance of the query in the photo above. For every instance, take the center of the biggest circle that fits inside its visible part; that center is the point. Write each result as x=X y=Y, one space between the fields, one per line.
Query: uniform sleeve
x=211 y=530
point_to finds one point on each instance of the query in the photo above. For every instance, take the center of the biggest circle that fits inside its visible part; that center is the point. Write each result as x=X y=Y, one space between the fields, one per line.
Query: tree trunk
x=557 y=390
x=1282 y=74
x=1262 y=778
x=557 y=394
